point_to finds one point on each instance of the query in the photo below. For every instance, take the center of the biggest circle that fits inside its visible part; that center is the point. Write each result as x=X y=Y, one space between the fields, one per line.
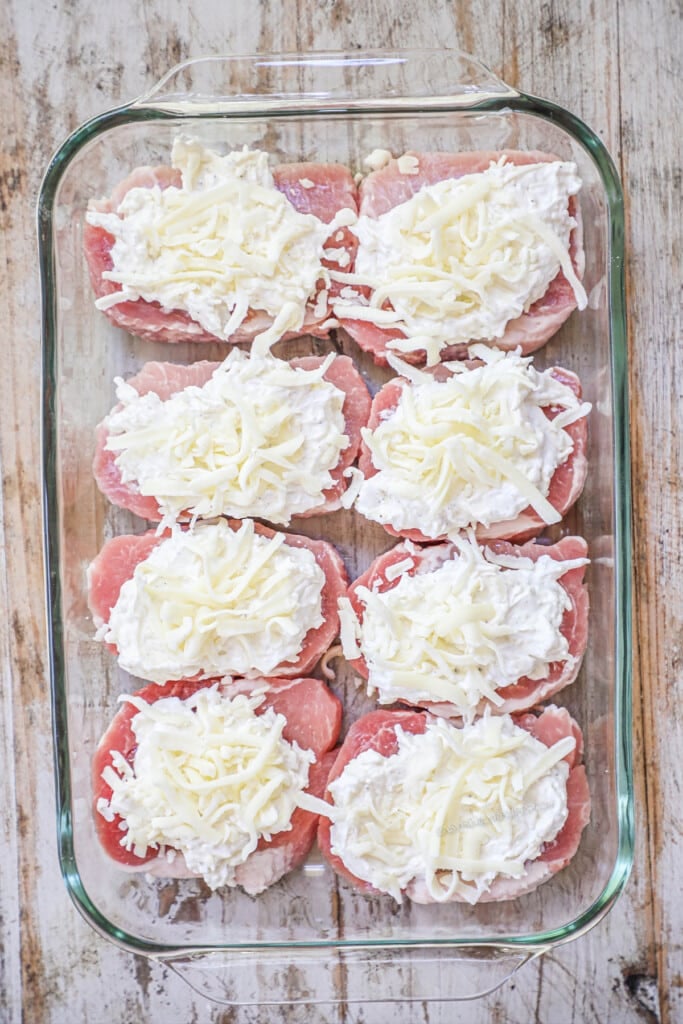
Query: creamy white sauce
x=453 y=808
x=213 y=601
x=260 y=438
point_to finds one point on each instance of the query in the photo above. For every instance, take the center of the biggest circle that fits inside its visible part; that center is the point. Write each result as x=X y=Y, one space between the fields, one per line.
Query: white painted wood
x=617 y=63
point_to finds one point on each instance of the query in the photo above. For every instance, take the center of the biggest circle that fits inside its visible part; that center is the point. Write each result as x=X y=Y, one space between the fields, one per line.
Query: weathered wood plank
x=11 y=171
x=571 y=53
x=24 y=692
x=653 y=168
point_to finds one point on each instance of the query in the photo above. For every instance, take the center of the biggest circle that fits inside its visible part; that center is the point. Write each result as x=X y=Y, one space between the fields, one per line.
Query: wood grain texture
x=652 y=161
x=616 y=63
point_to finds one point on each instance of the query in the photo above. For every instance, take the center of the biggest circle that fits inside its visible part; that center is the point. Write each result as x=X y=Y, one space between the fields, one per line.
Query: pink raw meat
x=118 y=558
x=377 y=731
x=526 y=692
x=374 y=731
x=167 y=379
x=333 y=190
x=566 y=484
x=313 y=717
x=386 y=188
x=112 y=567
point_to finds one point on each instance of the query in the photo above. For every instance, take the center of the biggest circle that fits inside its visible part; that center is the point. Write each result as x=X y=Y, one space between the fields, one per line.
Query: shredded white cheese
x=224 y=243
x=377 y=159
x=397 y=569
x=458 y=630
x=355 y=478
x=476 y=448
x=260 y=438
x=408 y=164
x=349 y=629
x=461 y=258
x=209 y=778
x=453 y=808
x=212 y=601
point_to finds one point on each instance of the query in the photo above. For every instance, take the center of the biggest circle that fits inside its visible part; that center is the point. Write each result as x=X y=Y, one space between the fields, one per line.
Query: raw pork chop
x=313 y=716
x=167 y=379
x=377 y=731
x=525 y=693
x=118 y=558
x=333 y=190
x=566 y=484
x=386 y=188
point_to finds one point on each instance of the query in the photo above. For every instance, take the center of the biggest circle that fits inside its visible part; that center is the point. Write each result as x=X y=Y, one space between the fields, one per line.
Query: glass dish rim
x=505 y=100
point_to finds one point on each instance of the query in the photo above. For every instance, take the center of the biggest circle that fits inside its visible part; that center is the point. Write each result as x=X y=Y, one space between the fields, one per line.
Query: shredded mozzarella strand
x=355 y=478
x=328 y=656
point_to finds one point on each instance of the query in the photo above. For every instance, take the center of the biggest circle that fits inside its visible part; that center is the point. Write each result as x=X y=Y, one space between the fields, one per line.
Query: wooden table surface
x=615 y=63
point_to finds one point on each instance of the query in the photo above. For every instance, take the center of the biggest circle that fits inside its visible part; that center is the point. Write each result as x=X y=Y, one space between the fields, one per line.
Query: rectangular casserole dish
x=310 y=938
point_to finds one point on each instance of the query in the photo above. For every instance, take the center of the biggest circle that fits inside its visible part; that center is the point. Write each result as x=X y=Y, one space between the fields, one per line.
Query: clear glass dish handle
x=324 y=81
x=350 y=975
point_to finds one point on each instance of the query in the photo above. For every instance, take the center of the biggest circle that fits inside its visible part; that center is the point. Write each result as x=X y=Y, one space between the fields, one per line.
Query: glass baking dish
x=311 y=938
